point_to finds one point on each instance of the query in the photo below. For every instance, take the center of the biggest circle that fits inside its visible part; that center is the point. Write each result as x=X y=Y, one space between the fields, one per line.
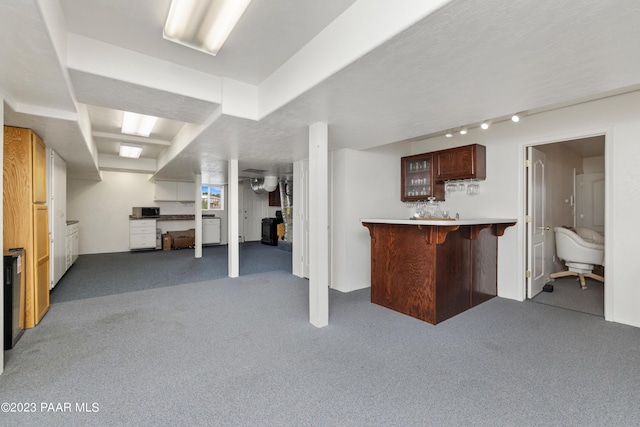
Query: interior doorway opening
x=565 y=188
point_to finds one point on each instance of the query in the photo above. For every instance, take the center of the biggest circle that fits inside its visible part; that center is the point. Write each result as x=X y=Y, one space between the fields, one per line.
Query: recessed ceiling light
x=203 y=25
x=515 y=118
x=132 y=151
x=137 y=124
x=485 y=125
x=448 y=134
x=463 y=131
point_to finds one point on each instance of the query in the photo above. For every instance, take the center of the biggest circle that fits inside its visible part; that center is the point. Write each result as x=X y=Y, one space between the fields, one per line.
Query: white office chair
x=581 y=251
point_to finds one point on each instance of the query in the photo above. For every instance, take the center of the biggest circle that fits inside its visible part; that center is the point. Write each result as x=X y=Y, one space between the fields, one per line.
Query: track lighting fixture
x=486 y=124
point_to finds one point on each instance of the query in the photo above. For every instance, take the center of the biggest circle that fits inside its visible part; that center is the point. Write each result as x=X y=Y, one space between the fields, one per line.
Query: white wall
x=103 y=209
x=363 y=185
x=593 y=164
x=503 y=192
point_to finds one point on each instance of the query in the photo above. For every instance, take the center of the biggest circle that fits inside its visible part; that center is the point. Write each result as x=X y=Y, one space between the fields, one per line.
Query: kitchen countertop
x=174 y=217
x=469 y=221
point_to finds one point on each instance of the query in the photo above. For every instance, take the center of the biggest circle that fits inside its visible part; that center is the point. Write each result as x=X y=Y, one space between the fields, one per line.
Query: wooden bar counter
x=434 y=269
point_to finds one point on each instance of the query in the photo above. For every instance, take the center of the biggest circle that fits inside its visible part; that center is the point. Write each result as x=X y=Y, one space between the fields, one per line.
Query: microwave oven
x=140 y=212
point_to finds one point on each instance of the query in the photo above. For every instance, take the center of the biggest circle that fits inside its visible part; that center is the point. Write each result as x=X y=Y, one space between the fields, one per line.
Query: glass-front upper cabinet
x=417 y=179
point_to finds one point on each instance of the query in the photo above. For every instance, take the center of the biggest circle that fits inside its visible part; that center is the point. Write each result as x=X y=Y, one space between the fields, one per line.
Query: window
x=212 y=197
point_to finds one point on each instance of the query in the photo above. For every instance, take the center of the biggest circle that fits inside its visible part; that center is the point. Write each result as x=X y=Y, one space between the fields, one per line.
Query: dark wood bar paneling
x=433 y=272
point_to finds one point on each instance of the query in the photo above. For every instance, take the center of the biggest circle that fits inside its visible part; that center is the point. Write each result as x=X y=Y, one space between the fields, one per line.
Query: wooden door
x=17 y=190
x=39 y=157
x=41 y=261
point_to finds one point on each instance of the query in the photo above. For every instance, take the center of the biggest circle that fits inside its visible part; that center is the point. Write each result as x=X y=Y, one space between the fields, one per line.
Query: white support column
x=298 y=210
x=318 y=225
x=233 y=219
x=198 y=215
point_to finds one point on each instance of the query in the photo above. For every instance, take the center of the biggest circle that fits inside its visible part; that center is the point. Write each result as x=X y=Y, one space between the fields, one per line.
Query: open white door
x=536 y=225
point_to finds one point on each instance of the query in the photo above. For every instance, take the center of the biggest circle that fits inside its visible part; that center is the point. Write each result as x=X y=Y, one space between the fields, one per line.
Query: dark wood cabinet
x=274 y=198
x=423 y=175
x=417 y=179
x=466 y=162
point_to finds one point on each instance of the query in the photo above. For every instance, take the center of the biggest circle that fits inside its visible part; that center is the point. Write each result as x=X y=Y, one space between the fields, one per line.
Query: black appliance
x=145 y=212
x=269 y=231
x=14 y=289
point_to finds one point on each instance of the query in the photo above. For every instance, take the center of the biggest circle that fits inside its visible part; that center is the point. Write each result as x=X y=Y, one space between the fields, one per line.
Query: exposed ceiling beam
x=130 y=138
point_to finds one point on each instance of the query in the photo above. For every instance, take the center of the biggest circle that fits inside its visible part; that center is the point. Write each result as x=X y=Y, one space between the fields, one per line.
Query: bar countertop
x=469 y=221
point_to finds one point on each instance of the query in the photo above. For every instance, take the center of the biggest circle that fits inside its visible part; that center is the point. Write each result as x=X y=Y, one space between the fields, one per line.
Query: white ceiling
x=376 y=71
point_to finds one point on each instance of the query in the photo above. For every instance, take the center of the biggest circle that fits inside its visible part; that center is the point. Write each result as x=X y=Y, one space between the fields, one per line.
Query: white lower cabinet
x=142 y=234
x=71 y=244
x=74 y=244
x=210 y=231
x=68 y=257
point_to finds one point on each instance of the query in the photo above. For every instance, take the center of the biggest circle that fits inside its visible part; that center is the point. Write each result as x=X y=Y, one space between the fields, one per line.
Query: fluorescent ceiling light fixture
x=137 y=124
x=203 y=24
x=132 y=151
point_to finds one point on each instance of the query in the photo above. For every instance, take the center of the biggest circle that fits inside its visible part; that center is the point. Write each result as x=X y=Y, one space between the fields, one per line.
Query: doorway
x=254 y=209
x=565 y=188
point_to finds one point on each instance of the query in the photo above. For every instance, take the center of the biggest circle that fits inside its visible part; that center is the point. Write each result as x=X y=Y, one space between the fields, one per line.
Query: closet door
x=41 y=260
x=39 y=151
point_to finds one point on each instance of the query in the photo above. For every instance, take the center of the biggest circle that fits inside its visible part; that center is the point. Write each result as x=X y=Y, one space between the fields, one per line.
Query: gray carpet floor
x=568 y=294
x=241 y=352
x=113 y=273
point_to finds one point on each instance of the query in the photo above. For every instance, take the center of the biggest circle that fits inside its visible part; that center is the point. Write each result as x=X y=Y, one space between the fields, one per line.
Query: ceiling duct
x=264 y=185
